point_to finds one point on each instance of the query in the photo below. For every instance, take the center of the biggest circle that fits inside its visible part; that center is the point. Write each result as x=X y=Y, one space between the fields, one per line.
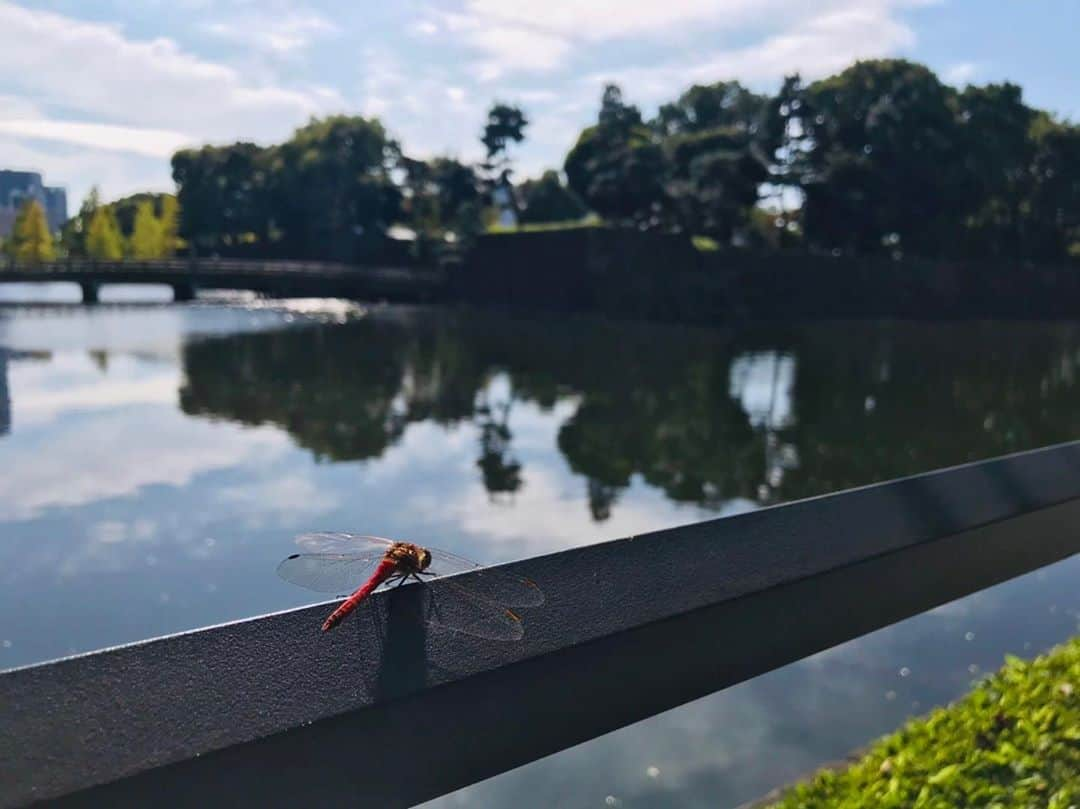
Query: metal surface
x=382 y=712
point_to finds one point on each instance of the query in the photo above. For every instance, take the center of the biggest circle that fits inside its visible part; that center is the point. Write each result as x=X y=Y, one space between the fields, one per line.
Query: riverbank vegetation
x=881 y=159
x=1013 y=742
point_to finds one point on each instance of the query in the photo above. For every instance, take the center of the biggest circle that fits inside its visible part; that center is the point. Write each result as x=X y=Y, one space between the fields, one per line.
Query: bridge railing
x=386 y=713
x=206 y=266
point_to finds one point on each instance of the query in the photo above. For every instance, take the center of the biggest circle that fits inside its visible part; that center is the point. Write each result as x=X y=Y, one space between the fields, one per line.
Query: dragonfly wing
x=343 y=543
x=452 y=607
x=328 y=572
x=488 y=584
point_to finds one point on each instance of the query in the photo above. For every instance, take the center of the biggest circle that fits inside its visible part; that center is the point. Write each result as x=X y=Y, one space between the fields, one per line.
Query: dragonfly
x=335 y=562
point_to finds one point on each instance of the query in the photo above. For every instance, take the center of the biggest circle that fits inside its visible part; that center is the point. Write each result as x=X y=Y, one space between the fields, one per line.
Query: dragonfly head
x=424 y=558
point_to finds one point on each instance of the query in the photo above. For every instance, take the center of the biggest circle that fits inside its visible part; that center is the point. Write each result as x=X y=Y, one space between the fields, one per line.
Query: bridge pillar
x=89 y=291
x=183 y=291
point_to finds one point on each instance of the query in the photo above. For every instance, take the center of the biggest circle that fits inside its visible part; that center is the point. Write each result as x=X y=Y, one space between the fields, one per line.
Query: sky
x=104 y=92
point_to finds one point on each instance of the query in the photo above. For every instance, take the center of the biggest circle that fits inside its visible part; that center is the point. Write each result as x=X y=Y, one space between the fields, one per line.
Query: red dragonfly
x=335 y=562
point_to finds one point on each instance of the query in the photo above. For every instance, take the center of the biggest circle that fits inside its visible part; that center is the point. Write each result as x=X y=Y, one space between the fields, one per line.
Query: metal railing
x=385 y=713
x=209 y=267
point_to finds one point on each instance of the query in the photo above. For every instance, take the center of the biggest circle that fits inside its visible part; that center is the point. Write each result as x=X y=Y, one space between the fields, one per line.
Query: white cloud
x=94 y=69
x=819 y=46
x=278 y=35
x=814 y=38
x=516 y=48
x=287 y=499
x=149 y=142
x=961 y=72
x=112 y=465
x=611 y=19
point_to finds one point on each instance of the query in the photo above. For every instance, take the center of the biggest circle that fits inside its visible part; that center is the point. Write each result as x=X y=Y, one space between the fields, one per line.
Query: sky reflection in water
x=159 y=460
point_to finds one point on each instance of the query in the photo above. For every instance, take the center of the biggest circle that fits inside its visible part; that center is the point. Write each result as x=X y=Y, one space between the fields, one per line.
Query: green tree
x=1053 y=222
x=442 y=196
x=704 y=107
x=170 y=224
x=505 y=124
x=224 y=195
x=73 y=233
x=996 y=154
x=31 y=241
x=876 y=159
x=617 y=166
x=147 y=236
x=103 y=239
x=333 y=192
x=719 y=147
x=547 y=199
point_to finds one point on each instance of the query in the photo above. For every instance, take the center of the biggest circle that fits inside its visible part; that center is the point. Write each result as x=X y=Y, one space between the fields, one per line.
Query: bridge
x=280 y=279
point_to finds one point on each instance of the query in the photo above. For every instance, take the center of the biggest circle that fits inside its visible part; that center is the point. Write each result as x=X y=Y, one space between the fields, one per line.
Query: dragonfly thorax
x=409 y=558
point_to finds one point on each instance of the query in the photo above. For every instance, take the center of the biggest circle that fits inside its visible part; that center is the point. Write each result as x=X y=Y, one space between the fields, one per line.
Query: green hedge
x=1012 y=742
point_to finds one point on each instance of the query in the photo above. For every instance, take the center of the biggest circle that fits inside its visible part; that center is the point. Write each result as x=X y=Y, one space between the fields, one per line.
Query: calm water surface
x=158 y=459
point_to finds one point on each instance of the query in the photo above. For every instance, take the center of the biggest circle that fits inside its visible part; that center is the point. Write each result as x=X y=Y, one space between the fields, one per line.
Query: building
x=18 y=186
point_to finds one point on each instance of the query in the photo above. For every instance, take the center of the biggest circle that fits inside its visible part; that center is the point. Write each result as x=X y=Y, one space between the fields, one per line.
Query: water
x=158 y=459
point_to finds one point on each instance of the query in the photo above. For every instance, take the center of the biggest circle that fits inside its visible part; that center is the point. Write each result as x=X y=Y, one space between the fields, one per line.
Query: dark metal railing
x=384 y=713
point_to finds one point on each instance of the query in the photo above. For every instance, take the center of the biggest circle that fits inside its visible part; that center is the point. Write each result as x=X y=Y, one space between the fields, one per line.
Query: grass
x=1014 y=741
x=574 y=224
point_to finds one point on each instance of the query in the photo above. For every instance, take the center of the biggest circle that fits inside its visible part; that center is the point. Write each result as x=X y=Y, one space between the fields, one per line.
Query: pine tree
x=147 y=240
x=103 y=239
x=31 y=240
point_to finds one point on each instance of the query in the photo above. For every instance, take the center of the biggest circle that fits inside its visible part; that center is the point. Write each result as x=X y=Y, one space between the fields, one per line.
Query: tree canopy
x=31 y=240
x=103 y=239
x=881 y=158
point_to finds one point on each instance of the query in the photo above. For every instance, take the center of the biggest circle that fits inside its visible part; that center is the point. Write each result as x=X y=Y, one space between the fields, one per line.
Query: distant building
x=18 y=186
x=56 y=207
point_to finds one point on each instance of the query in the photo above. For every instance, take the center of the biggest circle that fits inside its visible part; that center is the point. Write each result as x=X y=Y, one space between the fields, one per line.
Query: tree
x=31 y=241
x=704 y=107
x=73 y=233
x=1053 y=221
x=617 y=166
x=441 y=197
x=719 y=147
x=333 y=195
x=170 y=224
x=224 y=195
x=996 y=153
x=877 y=159
x=505 y=125
x=146 y=240
x=103 y=239
x=549 y=200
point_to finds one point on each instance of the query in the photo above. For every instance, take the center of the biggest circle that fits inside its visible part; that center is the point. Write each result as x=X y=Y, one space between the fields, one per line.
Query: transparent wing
x=489 y=585
x=343 y=543
x=334 y=562
x=452 y=607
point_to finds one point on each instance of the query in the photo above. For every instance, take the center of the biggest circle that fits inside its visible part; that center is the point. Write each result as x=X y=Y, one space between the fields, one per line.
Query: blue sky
x=103 y=92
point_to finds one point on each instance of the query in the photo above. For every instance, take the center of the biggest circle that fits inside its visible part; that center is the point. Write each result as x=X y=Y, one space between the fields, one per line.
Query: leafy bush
x=1012 y=742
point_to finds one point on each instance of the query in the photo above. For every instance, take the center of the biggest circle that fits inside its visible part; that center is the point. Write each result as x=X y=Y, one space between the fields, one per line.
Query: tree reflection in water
x=767 y=413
